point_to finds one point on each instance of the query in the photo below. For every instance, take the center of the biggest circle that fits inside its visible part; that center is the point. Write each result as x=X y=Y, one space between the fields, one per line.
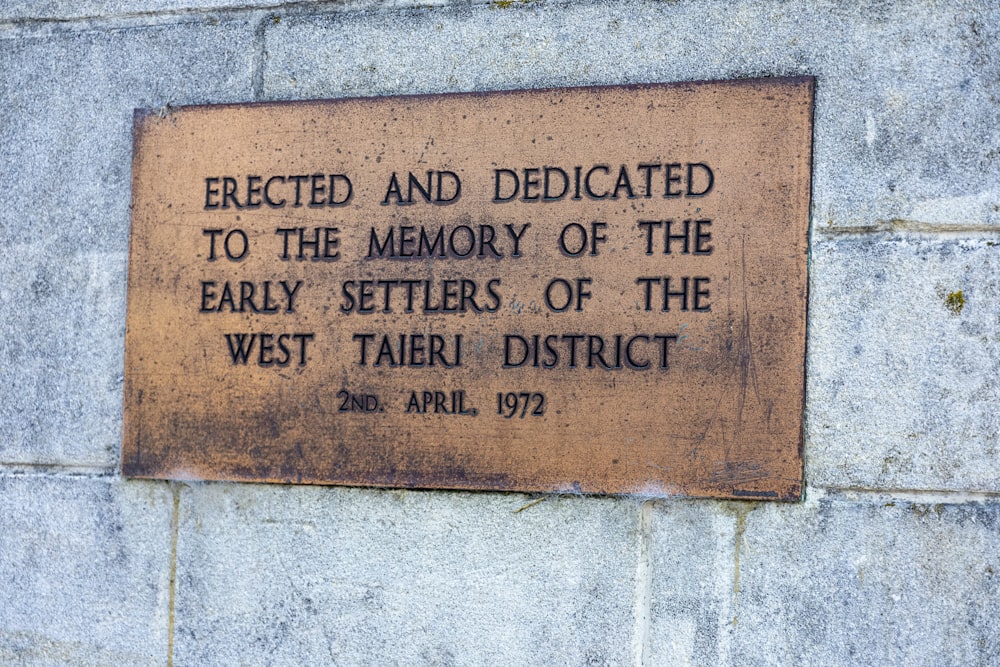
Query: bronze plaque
x=596 y=290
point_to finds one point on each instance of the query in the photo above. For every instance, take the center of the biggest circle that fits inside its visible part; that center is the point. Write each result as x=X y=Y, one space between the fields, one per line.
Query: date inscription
x=516 y=404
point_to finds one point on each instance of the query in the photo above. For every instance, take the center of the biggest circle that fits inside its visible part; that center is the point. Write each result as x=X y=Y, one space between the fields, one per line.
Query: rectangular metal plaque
x=597 y=290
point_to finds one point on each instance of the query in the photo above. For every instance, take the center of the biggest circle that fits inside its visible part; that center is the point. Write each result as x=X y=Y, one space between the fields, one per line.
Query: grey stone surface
x=903 y=361
x=902 y=373
x=61 y=356
x=907 y=93
x=309 y=575
x=65 y=145
x=85 y=571
x=693 y=567
x=840 y=582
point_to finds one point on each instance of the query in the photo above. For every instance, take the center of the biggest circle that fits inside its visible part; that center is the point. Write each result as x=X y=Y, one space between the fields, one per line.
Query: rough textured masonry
x=892 y=557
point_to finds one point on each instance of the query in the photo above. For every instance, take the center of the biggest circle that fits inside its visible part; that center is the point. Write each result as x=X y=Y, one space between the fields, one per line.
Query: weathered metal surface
x=599 y=290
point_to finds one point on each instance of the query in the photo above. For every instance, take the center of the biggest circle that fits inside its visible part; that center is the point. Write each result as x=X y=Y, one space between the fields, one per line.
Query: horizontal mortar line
x=932 y=496
x=312 y=7
x=72 y=469
x=905 y=226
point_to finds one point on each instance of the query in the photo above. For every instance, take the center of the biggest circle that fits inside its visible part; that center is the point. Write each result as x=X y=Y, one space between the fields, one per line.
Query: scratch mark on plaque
x=139 y=421
x=748 y=369
x=700 y=439
x=733 y=473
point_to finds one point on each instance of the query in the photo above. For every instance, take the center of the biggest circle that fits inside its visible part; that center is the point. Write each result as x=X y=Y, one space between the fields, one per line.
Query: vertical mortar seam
x=174 y=530
x=742 y=510
x=259 y=56
x=643 y=586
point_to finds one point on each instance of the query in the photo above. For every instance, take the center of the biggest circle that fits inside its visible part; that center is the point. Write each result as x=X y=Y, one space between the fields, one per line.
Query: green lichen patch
x=955 y=302
x=507 y=4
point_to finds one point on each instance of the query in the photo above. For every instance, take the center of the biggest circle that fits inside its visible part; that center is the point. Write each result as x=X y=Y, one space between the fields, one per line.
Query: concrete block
x=691 y=582
x=907 y=93
x=840 y=582
x=85 y=566
x=307 y=575
x=903 y=360
x=65 y=143
x=67 y=135
x=61 y=356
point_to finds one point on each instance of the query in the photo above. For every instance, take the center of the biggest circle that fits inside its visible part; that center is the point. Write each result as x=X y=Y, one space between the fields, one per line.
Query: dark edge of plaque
x=809 y=247
x=141 y=113
x=132 y=468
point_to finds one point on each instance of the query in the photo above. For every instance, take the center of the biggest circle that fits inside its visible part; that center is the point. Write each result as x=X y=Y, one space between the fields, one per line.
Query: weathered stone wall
x=892 y=558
